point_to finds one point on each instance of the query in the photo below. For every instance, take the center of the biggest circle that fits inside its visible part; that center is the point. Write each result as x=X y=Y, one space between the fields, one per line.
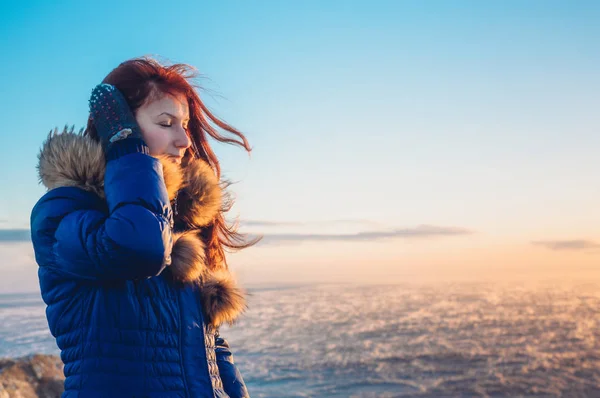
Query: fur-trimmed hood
x=69 y=159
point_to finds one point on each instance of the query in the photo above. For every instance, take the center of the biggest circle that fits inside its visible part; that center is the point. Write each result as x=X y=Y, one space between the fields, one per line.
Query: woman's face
x=164 y=126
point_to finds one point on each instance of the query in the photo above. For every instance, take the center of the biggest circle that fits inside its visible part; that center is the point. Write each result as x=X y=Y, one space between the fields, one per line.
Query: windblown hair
x=144 y=79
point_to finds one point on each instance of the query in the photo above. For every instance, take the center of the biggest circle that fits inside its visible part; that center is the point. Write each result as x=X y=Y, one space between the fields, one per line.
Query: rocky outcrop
x=31 y=377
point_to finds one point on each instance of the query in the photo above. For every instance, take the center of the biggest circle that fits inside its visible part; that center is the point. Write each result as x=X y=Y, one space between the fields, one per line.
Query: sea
x=438 y=340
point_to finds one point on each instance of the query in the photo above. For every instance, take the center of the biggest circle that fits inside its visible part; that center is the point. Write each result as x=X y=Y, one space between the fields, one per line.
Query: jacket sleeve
x=127 y=237
x=233 y=383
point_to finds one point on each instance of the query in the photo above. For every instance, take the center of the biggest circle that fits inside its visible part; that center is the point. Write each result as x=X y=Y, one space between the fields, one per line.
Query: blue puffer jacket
x=133 y=307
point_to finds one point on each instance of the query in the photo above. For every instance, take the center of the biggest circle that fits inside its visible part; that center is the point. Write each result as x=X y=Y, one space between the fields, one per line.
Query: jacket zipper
x=175 y=207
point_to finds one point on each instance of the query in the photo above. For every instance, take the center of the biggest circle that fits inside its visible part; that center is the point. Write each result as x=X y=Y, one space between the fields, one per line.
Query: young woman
x=130 y=241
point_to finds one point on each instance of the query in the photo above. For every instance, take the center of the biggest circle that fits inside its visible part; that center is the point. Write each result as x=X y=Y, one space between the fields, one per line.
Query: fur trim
x=172 y=176
x=200 y=200
x=69 y=159
x=188 y=258
x=222 y=300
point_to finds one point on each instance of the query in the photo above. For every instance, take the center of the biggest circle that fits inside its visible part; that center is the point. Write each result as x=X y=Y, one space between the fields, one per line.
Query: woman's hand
x=112 y=116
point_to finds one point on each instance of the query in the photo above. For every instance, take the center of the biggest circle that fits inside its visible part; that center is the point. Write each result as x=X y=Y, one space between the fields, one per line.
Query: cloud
x=422 y=231
x=259 y=223
x=15 y=235
x=264 y=223
x=575 y=244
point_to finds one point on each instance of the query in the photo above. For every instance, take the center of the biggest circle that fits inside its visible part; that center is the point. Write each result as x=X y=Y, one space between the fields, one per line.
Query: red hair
x=143 y=79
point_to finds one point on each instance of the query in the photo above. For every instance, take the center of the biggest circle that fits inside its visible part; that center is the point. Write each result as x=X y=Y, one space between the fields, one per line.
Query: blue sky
x=365 y=117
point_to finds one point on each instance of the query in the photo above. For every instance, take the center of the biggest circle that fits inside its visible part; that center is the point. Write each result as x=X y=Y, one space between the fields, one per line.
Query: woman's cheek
x=157 y=142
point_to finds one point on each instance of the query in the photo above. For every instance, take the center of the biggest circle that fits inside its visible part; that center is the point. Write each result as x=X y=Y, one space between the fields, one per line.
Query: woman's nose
x=182 y=138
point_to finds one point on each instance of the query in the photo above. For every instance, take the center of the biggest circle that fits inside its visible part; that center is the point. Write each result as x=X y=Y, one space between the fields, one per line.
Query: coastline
x=31 y=376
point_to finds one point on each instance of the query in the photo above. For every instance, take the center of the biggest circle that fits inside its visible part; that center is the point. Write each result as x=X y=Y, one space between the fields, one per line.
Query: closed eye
x=170 y=125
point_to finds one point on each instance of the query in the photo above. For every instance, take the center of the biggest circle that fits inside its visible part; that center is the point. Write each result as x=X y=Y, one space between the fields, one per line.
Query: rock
x=34 y=376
